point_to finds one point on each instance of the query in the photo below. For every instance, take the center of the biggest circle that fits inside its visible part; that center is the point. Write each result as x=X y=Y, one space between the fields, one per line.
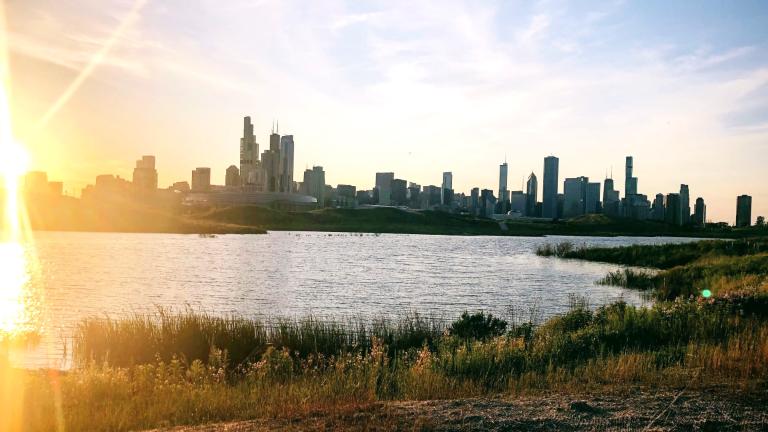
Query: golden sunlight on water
x=14 y=276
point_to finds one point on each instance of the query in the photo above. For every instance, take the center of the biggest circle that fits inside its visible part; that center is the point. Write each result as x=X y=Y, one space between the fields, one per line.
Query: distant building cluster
x=267 y=179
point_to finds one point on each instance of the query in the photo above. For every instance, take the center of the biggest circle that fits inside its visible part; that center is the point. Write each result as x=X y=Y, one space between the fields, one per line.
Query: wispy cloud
x=443 y=74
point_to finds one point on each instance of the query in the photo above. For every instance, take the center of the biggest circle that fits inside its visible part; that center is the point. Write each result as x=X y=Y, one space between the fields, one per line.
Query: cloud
x=535 y=30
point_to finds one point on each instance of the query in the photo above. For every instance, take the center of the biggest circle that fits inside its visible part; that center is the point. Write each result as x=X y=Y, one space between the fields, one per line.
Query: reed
x=664 y=256
x=312 y=365
x=192 y=335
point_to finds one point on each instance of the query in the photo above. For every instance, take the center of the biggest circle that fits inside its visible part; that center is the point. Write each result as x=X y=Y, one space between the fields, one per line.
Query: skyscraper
x=630 y=183
x=232 y=177
x=549 y=188
x=610 y=198
x=685 y=205
x=743 y=211
x=286 y=163
x=592 y=198
x=447 y=188
x=530 y=195
x=474 y=205
x=271 y=162
x=503 y=192
x=659 y=211
x=700 y=213
x=575 y=190
x=487 y=203
x=145 y=174
x=399 y=195
x=673 y=213
x=201 y=180
x=249 y=151
x=383 y=188
x=314 y=184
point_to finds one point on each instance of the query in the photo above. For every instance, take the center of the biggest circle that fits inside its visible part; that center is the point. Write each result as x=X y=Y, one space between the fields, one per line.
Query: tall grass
x=144 y=338
x=664 y=256
x=615 y=345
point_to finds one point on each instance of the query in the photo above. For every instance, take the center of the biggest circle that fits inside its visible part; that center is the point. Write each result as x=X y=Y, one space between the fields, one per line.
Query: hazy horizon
x=416 y=89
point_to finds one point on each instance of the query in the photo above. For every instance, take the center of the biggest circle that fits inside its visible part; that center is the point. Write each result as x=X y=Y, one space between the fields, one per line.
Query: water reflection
x=17 y=302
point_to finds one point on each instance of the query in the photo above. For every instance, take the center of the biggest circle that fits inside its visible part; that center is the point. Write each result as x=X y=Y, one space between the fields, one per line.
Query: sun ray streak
x=97 y=59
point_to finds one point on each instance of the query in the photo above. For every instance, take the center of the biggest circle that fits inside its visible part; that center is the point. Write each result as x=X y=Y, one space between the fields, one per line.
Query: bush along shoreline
x=705 y=268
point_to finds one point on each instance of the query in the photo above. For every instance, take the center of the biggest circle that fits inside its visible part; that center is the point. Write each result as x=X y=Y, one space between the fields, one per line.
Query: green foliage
x=477 y=326
x=618 y=344
x=629 y=278
x=664 y=256
x=191 y=335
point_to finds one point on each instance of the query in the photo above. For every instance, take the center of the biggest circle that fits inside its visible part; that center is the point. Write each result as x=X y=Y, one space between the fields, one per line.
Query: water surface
x=74 y=275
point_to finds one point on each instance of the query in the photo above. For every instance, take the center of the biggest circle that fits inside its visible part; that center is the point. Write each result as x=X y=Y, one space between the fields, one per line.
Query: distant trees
x=760 y=221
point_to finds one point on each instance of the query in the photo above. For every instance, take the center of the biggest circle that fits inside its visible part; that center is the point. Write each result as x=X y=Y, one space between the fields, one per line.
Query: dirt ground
x=636 y=411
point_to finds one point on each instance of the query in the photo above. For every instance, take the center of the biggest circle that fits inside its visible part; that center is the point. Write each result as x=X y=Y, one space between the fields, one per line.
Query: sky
x=414 y=87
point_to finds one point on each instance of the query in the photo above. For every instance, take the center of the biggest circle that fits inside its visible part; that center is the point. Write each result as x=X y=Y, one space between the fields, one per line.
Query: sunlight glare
x=13 y=279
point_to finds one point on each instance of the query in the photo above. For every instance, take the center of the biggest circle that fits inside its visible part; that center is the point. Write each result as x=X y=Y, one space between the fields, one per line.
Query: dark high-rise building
x=503 y=191
x=201 y=180
x=145 y=174
x=673 y=213
x=610 y=198
x=575 y=190
x=592 y=198
x=270 y=162
x=517 y=202
x=399 y=192
x=431 y=196
x=383 y=188
x=685 y=204
x=549 y=188
x=658 y=210
x=447 y=189
x=232 y=177
x=743 y=211
x=314 y=184
x=474 y=203
x=346 y=196
x=700 y=213
x=414 y=195
x=487 y=203
x=630 y=182
x=249 y=151
x=530 y=195
x=286 y=164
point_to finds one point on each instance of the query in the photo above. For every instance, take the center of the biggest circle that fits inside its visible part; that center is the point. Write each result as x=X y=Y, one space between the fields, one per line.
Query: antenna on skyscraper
x=278 y=126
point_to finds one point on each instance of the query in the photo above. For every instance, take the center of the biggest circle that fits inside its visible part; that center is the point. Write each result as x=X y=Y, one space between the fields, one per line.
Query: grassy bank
x=210 y=369
x=394 y=220
x=720 y=267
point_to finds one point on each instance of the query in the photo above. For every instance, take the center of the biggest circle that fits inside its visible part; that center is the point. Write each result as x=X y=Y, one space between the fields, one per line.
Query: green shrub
x=477 y=326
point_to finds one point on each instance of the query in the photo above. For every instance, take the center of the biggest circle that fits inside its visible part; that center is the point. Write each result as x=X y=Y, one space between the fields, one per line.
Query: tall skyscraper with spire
x=630 y=183
x=249 y=151
x=270 y=160
x=549 y=188
x=503 y=191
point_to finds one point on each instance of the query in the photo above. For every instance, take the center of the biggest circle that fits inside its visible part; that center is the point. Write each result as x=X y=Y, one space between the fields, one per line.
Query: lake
x=61 y=277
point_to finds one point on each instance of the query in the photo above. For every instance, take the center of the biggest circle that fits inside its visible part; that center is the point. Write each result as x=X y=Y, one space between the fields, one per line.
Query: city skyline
x=416 y=96
x=273 y=173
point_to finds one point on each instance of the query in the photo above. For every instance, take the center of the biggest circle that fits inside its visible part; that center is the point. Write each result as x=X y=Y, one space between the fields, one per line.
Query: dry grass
x=691 y=344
